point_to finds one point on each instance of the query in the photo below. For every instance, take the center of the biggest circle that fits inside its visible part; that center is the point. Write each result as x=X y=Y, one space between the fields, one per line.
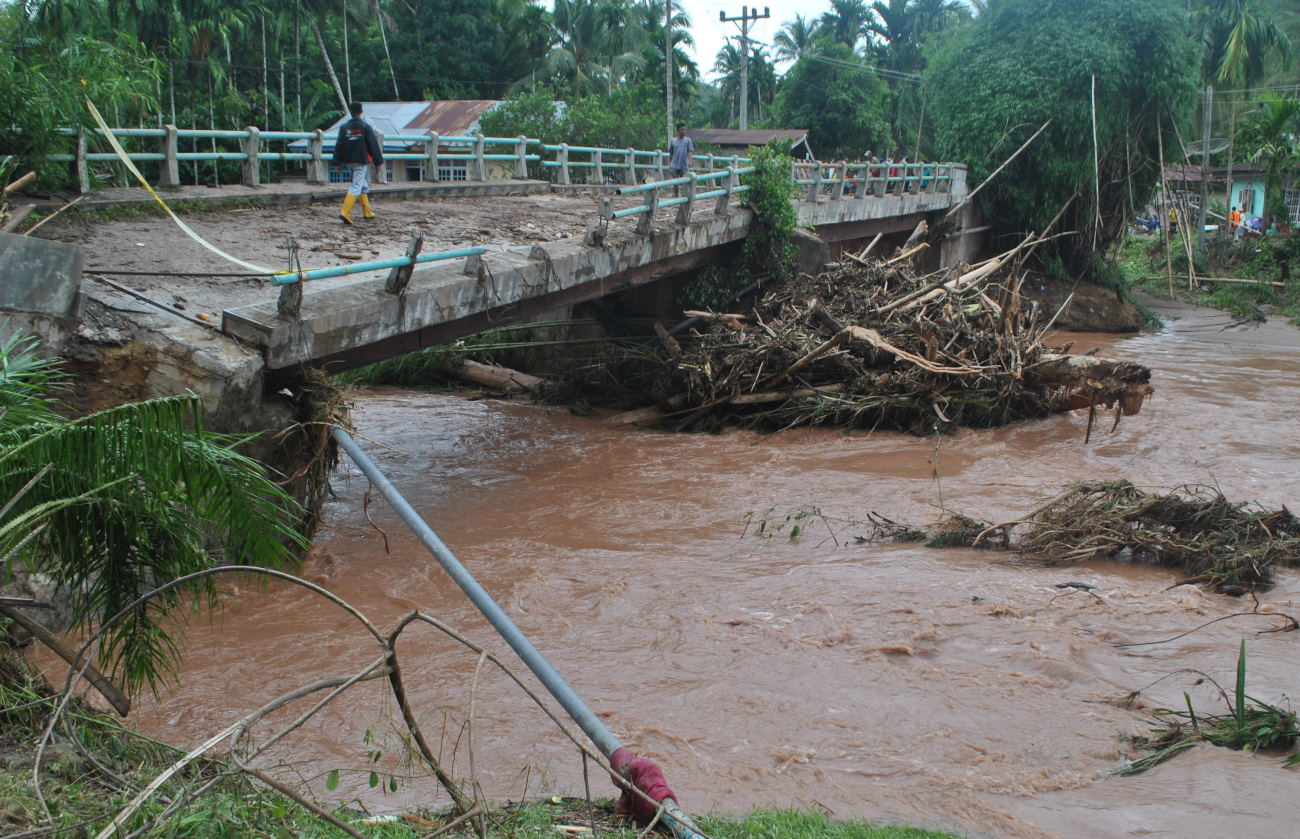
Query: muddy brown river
x=948 y=689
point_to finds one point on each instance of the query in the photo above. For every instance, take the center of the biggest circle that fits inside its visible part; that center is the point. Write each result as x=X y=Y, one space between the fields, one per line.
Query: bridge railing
x=471 y=157
x=687 y=192
x=863 y=179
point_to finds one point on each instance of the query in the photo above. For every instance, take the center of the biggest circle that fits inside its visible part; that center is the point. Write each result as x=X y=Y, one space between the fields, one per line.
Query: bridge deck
x=535 y=261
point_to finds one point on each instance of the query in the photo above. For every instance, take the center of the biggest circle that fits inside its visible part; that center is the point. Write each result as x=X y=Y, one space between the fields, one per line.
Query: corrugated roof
x=452 y=117
x=448 y=118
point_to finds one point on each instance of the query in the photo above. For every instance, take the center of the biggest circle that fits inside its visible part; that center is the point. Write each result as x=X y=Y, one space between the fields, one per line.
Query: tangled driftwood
x=871 y=343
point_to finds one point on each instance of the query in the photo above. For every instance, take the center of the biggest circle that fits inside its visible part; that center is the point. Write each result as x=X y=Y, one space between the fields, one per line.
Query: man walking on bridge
x=357 y=148
x=680 y=149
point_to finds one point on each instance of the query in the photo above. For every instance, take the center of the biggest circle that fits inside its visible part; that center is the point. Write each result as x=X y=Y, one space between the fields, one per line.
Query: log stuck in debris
x=869 y=344
x=492 y=375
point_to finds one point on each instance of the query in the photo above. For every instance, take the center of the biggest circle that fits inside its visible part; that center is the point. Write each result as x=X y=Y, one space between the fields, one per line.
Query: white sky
x=710 y=34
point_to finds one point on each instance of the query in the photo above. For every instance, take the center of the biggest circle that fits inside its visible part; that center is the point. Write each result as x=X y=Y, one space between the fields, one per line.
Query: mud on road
x=153 y=244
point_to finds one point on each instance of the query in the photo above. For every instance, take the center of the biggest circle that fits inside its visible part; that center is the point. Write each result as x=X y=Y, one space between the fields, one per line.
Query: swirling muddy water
x=945 y=688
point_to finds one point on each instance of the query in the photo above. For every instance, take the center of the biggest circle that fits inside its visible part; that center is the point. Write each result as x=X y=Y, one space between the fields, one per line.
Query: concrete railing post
x=252 y=170
x=316 y=173
x=815 y=188
x=431 y=172
x=723 y=205
x=480 y=165
x=629 y=177
x=863 y=181
x=169 y=174
x=289 y=306
x=646 y=225
x=399 y=277
x=563 y=156
x=597 y=169
x=837 y=191
x=684 y=210
x=381 y=171
x=521 y=153
x=83 y=169
x=659 y=165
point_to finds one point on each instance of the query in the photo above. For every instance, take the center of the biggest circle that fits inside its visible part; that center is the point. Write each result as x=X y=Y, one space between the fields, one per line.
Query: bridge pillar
x=684 y=210
x=521 y=153
x=563 y=157
x=252 y=169
x=479 y=166
x=629 y=177
x=169 y=175
x=723 y=205
x=381 y=172
x=316 y=173
x=431 y=172
x=83 y=169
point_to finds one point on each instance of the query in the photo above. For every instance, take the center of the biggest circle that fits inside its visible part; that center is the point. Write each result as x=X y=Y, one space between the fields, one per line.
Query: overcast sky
x=710 y=34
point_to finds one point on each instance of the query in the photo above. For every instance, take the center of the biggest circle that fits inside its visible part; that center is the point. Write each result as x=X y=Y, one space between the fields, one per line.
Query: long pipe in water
x=591 y=725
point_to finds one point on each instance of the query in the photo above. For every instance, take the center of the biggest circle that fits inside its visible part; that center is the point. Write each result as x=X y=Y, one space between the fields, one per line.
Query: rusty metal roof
x=451 y=117
x=447 y=118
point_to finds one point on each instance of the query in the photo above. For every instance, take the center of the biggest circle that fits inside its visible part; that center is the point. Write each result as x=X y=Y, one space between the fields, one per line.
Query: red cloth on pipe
x=646 y=776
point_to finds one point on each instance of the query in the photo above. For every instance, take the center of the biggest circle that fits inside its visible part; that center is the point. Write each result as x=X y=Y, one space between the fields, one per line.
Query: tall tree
x=1239 y=42
x=796 y=39
x=846 y=22
x=839 y=99
x=1024 y=62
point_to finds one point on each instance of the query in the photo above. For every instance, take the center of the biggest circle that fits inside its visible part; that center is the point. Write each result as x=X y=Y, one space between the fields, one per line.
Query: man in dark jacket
x=357 y=147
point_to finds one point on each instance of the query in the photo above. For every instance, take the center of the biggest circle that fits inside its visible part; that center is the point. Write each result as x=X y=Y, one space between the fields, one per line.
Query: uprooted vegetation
x=870 y=344
x=1192 y=528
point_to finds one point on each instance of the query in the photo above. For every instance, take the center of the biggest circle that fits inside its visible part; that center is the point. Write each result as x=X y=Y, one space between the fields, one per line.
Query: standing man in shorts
x=357 y=147
x=680 y=149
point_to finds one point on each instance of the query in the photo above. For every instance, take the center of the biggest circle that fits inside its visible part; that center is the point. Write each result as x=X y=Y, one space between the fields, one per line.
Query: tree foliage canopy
x=1024 y=62
x=835 y=95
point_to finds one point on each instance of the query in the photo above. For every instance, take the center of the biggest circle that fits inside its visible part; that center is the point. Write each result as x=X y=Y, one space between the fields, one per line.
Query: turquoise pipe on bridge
x=291 y=277
x=673 y=816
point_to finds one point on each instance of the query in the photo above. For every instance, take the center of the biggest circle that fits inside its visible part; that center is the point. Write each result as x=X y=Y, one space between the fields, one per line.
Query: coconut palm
x=1272 y=138
x=796 y=39
x=116 y=503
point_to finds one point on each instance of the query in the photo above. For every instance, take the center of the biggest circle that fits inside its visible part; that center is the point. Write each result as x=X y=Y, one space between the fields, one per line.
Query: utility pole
x=668 y=62
x=747 y=16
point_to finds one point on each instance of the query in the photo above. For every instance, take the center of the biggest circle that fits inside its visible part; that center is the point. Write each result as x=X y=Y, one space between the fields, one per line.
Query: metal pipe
x=542 y=669
x=291 y=277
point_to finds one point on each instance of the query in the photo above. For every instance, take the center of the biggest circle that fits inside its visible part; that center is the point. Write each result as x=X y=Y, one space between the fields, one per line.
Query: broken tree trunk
x=492 y=375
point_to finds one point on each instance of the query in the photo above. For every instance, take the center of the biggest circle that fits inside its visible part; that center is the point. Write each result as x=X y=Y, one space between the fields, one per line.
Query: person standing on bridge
x=357 y=147
x=680 y=149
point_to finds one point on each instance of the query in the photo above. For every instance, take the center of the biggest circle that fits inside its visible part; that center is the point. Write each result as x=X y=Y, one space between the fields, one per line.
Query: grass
x=83 y=797
x=1249 y=725
x=1141 y=263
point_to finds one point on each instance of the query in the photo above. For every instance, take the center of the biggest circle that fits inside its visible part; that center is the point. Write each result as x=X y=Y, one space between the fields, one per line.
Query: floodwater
x=948 y=689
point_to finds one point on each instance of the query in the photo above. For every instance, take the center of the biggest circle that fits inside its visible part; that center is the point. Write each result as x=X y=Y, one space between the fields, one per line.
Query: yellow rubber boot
x=366 y=212
x=346 y=213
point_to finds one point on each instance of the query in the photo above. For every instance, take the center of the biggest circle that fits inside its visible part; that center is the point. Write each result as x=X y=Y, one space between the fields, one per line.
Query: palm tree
x=1272 y=135
x=846 y=22
x=577 y=57
x=1238 y=43
x=117 y=503
x=796 y=38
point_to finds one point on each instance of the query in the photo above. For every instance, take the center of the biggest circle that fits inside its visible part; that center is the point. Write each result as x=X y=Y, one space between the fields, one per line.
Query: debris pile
x=1234 y=546
x=870 y=344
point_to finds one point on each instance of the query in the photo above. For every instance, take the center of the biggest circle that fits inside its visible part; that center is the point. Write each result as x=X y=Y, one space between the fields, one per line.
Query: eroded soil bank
x=945 y=688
